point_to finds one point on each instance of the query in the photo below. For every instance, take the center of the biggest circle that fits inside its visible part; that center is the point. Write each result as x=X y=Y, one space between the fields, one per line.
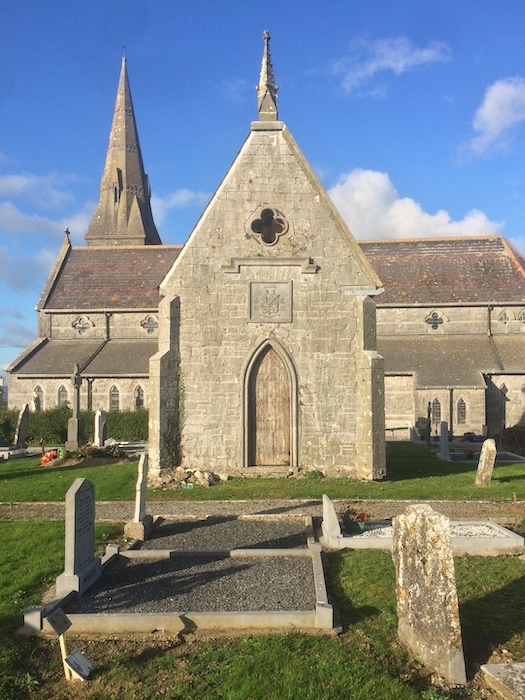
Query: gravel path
x=122 y=511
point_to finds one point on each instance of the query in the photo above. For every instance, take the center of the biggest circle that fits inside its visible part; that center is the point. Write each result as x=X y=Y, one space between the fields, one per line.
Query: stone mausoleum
x=255 y=345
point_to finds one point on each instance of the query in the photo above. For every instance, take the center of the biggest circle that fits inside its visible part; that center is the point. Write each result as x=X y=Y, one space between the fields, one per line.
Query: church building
x=272 y=340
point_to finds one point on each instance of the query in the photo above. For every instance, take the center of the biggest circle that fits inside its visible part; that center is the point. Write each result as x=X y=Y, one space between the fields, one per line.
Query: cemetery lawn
x=413 y=473
x=28 y=480
x=364 y=662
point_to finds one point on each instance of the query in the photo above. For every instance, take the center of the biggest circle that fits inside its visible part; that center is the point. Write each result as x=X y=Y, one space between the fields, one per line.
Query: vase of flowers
x=353 y=520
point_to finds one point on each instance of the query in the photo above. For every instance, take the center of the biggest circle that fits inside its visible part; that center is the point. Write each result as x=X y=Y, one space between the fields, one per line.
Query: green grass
x=364 y=662
x=413 y=472
x=28 y=480
x=32 y=557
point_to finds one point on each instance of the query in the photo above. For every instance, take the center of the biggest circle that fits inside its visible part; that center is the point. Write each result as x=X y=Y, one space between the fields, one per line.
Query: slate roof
x=57 y=357
x=100 y=277
x=123 y=358
x=440 y=270
x=95 y=358
x=453 y=360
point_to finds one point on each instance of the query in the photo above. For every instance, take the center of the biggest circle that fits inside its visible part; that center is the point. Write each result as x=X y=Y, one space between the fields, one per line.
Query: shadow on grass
x=406 y=461
x=493 y=620
x=36 y=470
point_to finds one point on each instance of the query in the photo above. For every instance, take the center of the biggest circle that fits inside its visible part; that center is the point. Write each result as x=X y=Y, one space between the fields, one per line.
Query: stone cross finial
x=267 y=89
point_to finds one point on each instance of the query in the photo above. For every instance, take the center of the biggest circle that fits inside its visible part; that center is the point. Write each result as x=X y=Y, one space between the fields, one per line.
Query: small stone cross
x=434 y=321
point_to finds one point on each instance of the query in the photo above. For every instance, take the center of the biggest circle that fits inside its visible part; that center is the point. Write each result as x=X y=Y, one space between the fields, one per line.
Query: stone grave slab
x=507 y=679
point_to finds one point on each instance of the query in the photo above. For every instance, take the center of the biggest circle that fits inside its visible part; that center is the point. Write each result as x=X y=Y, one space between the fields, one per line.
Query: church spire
x=123 y=215
x=267 y=89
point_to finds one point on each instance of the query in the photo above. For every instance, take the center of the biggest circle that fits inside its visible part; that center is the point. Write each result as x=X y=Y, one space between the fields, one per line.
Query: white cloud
x=372 y=208
x=41 y=190
x=180 y=199
x=16 y=335
x=12 y=220
x=26 y=272
x=78 y=223
x=395 y=55
x=503 y=107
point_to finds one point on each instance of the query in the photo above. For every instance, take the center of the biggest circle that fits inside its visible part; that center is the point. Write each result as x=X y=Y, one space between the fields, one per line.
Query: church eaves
x=123 y=216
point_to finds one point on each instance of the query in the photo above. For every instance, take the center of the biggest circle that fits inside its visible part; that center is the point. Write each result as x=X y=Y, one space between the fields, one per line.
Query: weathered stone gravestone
x=100 y=429
x=444 y=452
x=330 y=526
x=427 y=602
x=487 y=459
x=21 y=428
x=81 y=567
x=140 y=527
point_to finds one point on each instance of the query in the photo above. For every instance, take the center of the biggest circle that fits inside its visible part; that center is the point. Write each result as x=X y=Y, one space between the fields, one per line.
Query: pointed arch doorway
x=270 y=409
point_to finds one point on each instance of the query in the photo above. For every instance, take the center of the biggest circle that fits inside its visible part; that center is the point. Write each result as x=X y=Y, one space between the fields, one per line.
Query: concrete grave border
x=319 y=619
x=504 y=542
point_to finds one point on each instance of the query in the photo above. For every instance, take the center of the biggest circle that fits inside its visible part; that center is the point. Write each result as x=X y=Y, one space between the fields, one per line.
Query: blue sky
x=412 y=113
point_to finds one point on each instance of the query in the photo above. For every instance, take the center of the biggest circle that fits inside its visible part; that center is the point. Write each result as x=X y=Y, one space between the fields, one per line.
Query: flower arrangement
x=48 y=456
x=349 y=514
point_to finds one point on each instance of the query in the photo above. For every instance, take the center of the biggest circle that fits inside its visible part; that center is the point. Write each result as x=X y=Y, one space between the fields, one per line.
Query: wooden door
x=269 y=411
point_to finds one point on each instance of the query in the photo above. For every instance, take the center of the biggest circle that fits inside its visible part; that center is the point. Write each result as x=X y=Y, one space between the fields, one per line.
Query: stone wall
x=21 y=391
x=324 y=330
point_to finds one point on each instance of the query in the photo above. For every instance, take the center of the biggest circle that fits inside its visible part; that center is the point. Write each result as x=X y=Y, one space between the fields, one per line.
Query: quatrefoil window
x=82 y=324
x=269 y=226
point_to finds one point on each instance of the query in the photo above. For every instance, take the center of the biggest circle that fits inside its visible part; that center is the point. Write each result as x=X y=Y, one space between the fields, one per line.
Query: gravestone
x=81 y=567
x=427 y=602
x=140 y=527
x=414 y=434
x=100 y=429
x=331 y=526
x=444 y=452
x=21 y=428
x=487 y=459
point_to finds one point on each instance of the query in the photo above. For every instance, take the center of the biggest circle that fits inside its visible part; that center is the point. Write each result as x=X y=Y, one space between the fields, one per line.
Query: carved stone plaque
x=270 y=302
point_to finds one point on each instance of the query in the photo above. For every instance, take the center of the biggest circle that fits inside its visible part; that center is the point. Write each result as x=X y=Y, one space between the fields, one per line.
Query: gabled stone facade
x=267 y=357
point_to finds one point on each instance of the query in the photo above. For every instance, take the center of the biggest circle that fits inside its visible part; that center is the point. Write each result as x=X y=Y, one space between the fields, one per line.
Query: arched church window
x=139 y=397
x=462 y=412
x=114 y=399
x=504 y=318
x=521 y=317
x=62 y=395
x=38 y=398
x=436 y=412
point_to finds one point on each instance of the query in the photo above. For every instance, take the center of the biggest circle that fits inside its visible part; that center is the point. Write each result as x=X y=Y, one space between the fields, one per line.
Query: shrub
x=51 y=425
x=513 y=440
x=8 y=421
x=128 y=425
